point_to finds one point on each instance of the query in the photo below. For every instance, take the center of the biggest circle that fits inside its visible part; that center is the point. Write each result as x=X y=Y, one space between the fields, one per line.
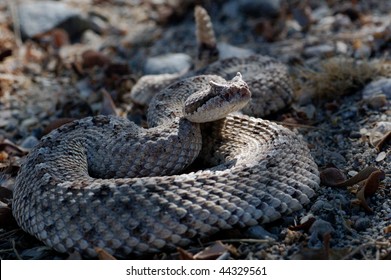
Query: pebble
x=355 y=135
x=381 y=156
x=29 y=122
x=377 y=101
x=320 y=13
x=39 y=17
x=319 y=51
x=260 y=8
x=318 y=229
x=378 y=87
x=364 y=51
x=341 y=47
x=320 y=205
x=226 y=51
x=362 y=224
x=167 y=64
x=259 y=232
x=29 y=142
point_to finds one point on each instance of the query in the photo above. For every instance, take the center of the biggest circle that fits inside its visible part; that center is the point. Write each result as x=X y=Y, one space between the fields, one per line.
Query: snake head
x=217 y=100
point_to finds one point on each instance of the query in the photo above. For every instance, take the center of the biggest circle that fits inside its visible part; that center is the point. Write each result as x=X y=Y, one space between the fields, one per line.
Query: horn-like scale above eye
x=219 y=100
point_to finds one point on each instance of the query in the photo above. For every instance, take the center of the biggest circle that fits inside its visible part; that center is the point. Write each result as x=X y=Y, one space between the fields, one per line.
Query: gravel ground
x=338 y=55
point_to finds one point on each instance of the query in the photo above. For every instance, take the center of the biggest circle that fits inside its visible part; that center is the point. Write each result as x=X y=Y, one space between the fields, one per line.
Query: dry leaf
x=383 y=141
x=92 y=58
x=103 y=254
x=3 y=156
x=370 y=186
x=387 y=229
x=184 y=255
x=117 y=69
x=56 y=124
x=56 y=37
x=12 y=149
x=373 y=182
x=304 y=226
x=292 y=236
x=214 y=251
x=332 y=177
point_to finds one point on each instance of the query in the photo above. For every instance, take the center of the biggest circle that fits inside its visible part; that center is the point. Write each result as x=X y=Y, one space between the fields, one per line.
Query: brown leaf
x=387 y=229
x=103 y=254
x=371 y=185
x=362 y=201
x=56 y=124
x=304 y=226
x=3 y=156
x=56 y=38
x=92 y=58
x=214 y=251
x=373 y=182
x=326 y=244
x=383 y=141
x=184 y=255
x=332 y=177
x=117 y=69
x=12 y=149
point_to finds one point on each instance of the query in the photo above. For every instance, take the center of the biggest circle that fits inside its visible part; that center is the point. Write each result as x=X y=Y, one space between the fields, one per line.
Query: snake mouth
x=218 y=101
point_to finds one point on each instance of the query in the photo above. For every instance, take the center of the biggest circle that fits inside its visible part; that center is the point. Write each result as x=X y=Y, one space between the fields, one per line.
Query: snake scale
x=97 y=182
x=198 y=169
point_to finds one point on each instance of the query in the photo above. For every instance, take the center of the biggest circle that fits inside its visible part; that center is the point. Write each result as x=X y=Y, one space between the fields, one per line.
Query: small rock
x=321 y=205
x=362 y=224
x=167 y=64
x=321 y=227
x=376 y=88
x=39 y=17
x=29 y=142
x=227 y=51
x=323 y=51
x=340 y=22
x=320 y=12
x=377 y=101
x=341 y=47
x=259 y=232
x=29 y=122
x=318 y=230
x=355 y=135
x=260 y=8
x=381 y=156
x=308 y=111
x=352 y=173
x=364 y=51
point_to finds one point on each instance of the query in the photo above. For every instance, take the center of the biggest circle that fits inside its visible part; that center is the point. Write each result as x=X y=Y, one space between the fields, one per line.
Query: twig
x=248 y=240
x=14 y=249
x=16 y=23
x=360 y=249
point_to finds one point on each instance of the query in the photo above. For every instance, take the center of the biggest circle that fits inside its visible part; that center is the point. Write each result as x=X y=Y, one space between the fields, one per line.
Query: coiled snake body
x=104 y=182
